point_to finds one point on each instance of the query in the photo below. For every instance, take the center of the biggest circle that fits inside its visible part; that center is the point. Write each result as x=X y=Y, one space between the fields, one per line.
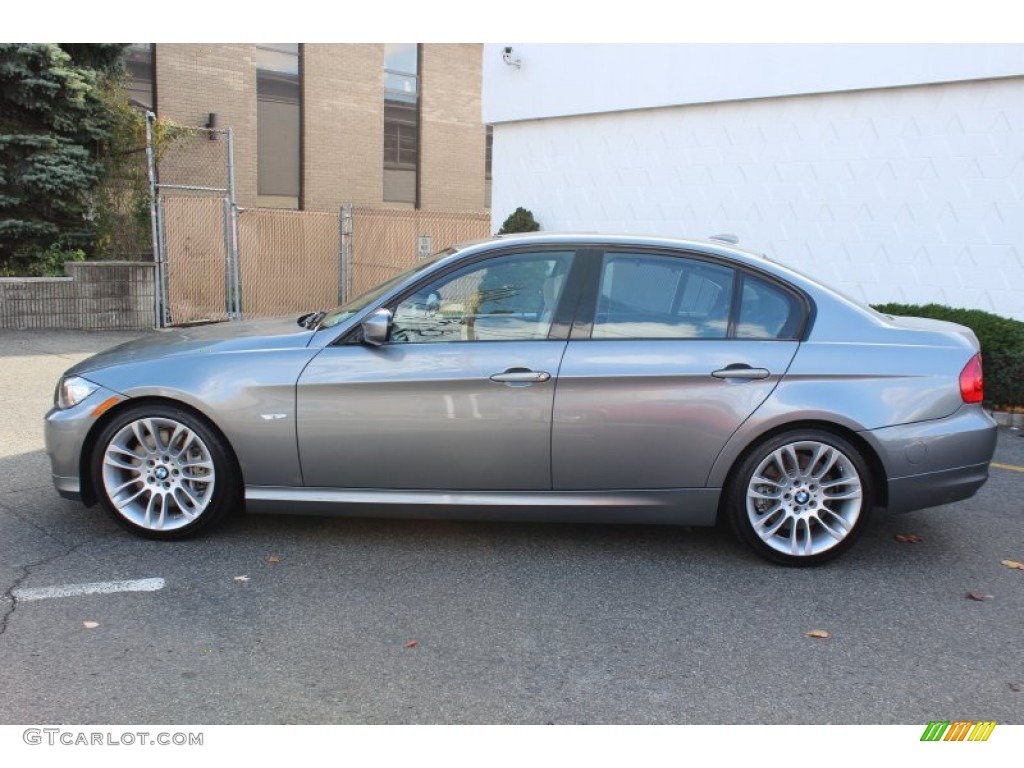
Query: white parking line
x=94 y=588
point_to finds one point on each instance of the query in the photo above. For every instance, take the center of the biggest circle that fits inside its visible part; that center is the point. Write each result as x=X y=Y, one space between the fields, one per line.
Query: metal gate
x=195 y=224
x=211 y=255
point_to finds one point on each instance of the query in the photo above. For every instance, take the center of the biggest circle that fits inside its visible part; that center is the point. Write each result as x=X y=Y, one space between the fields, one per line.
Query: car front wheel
x=800 y=498
x=163 y=473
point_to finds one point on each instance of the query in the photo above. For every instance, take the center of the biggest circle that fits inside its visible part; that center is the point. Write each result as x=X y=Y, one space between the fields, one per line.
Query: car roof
x=712 y=247
x=709 y=246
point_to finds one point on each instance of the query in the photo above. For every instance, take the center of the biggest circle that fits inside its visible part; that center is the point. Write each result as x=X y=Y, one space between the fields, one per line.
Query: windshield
x=345 y=311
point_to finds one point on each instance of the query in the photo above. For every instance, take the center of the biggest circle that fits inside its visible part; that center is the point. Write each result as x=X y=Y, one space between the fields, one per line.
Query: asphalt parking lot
x=317 y=620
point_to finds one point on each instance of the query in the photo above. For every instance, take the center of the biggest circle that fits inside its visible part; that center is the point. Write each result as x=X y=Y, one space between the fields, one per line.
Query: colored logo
x=958 y=730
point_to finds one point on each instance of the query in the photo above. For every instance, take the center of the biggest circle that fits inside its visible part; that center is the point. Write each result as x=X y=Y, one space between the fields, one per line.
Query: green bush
x=48 y=262
x=1002 y=347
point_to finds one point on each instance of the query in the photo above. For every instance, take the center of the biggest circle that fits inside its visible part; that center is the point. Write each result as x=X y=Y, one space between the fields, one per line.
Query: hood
x=245 y=336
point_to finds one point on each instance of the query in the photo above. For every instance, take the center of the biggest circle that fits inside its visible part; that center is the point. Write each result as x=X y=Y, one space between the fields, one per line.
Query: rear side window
x=767 y=311
x=646 y=296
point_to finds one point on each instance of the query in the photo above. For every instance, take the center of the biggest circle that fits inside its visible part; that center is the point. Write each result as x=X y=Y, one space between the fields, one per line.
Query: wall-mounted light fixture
x=510 y=57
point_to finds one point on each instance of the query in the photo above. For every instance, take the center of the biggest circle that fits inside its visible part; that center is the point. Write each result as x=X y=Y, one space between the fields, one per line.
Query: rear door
x=670 y=353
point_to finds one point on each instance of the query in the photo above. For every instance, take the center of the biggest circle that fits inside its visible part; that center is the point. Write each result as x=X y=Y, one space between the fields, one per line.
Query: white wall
x=575 y=79
x=900 y=194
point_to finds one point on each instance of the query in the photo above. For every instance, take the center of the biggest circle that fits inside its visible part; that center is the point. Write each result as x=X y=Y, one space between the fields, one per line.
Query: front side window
x=507 y=298
x=645 y=296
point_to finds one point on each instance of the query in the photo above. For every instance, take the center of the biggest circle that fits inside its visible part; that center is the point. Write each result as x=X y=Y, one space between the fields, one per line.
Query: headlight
x=72 y=390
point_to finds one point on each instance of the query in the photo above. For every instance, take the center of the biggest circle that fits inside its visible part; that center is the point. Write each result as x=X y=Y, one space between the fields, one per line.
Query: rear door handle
x=521 y=376
x=741 y=371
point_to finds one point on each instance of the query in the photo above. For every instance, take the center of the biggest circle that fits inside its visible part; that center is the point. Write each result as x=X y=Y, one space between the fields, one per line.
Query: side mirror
x=376 y=327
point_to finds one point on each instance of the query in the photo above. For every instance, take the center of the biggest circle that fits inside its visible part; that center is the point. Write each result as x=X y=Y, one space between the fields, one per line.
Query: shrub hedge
x=1002 y=347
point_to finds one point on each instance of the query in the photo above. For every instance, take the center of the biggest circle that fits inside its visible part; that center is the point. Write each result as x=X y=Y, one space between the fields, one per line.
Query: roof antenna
x=726 y=238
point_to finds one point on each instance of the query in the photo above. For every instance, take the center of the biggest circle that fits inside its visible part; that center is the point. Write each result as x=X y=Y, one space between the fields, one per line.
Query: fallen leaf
x=978 y=597
x=273 y=560
x=241 y=578
x=820 y=633
x=90 y=624
x=1014 y=564
x=908 y=538
x=412 y=643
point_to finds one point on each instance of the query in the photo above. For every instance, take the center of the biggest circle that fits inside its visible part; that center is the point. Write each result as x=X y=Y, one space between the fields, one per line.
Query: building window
x=488 y=159
x=278 y=122
x=139 y=62
x=401 y=122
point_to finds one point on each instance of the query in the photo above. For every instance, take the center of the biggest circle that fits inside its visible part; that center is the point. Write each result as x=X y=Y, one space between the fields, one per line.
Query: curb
x=1008 y=419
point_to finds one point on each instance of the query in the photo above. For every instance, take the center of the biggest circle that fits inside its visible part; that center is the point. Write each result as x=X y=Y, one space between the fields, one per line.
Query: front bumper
x=936 y=462
x=65 y=433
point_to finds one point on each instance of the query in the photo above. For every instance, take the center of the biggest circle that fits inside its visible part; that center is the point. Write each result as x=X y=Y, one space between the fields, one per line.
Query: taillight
x=972 y=388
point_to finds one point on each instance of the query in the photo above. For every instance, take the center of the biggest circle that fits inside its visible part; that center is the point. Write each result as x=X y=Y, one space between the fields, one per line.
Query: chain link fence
x=217 y=262
x=193 y=269
x=195 y=225
x=289 y=261
x=193 y=161
x=385 y=242
x=299 y=261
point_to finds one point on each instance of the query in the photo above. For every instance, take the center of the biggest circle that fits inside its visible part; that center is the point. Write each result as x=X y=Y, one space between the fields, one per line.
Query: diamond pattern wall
x=903 y=194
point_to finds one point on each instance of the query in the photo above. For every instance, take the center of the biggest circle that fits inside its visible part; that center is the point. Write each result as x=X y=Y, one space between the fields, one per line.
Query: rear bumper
x=936 y=488
x=936 y=462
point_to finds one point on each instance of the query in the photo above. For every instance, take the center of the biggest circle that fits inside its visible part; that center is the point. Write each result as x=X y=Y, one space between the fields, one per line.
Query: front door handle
x=741 y=371
x=521 y=376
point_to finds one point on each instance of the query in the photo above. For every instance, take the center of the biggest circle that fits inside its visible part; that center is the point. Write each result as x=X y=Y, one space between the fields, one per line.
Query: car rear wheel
x=163 y=473
x=801 y=497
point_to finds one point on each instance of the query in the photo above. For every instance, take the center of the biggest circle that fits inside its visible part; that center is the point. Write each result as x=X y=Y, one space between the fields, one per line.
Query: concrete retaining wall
x=100 y=295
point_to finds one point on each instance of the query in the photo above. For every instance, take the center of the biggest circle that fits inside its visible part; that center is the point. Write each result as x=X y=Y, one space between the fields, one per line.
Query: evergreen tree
x=520 y=220
x=55 y=122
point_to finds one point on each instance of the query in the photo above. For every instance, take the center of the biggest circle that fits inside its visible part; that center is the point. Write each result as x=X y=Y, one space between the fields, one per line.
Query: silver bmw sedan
x=542 y=377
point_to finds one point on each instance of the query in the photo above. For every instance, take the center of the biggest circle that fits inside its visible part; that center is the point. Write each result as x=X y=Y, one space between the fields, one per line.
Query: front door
x=459 y=398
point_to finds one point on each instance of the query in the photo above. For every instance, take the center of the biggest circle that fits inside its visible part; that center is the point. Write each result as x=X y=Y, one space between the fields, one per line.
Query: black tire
x=811 y=499
x=186 y=483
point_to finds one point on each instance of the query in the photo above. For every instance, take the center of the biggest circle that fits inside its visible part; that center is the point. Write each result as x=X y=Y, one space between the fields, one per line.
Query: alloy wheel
x=804 y=498
x=158 y=473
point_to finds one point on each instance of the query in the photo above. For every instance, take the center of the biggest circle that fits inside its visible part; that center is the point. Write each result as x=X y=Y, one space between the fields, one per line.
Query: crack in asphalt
x=10 y=602
x=24 y=489
x=32 y=523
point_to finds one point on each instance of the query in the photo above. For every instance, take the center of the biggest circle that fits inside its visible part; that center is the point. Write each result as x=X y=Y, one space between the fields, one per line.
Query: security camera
x=509 y=57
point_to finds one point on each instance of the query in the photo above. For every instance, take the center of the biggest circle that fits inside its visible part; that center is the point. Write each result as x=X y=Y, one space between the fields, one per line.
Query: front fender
x=248 y=396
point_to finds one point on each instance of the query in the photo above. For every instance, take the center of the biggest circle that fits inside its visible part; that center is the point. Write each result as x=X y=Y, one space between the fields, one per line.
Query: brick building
x=319 y=126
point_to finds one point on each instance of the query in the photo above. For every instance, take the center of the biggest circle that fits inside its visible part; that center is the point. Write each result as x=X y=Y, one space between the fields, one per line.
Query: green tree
x=520 y=220
x=56 y=125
